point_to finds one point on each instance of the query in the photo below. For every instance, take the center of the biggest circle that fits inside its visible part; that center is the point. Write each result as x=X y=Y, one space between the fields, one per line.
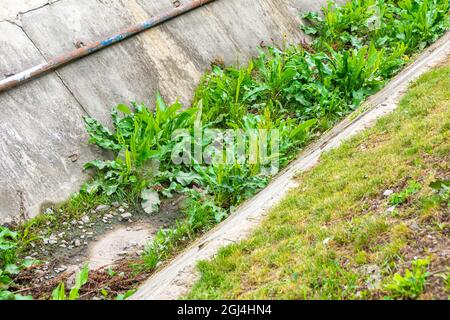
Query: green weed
x=401 y=197
x=10 y=264
x=412 y=284
x=59 y=293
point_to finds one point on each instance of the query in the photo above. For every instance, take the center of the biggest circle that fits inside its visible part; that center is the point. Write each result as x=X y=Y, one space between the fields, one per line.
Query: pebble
x=122 y=210
x=77 y=242
x=388 y=192
x=102 y=208
x=73 y=222
x=116 y=204
x=126 y=215
x=85 y=219
x=391 y=209
x=39 y=273
x=414 y=226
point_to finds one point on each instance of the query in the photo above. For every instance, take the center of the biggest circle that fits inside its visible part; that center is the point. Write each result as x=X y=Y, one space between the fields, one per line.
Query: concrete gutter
x=176 y=279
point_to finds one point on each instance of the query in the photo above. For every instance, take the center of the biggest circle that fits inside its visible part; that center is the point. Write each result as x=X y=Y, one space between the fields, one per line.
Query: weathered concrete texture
x=41 y=122
x=9 y=9
x=124 y=240
x=40 y=134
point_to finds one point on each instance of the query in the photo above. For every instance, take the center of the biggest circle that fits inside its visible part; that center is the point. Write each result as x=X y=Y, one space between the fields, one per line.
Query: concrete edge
x=176 y=278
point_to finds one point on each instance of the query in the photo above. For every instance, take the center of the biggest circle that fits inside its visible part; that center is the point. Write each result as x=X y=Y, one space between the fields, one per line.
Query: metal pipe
x=34 y=72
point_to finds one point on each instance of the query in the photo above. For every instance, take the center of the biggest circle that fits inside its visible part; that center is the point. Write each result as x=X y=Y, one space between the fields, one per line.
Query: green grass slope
x=340 y=235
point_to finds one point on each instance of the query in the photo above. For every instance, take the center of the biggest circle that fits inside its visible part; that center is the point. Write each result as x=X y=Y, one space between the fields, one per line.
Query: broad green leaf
x=124 y=109
x=150 y=201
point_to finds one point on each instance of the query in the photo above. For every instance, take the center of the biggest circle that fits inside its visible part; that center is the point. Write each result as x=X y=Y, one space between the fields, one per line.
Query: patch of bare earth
x=112 y=253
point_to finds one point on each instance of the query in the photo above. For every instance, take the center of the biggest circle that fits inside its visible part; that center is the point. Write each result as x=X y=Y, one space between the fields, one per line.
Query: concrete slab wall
x=42 y=140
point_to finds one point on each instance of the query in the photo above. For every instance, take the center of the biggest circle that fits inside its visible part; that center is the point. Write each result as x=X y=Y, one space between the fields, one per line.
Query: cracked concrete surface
x=12 y=9
x=41 y=126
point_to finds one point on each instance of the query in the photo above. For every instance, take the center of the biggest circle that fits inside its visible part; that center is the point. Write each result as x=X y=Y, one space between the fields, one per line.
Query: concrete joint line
x=19 y=25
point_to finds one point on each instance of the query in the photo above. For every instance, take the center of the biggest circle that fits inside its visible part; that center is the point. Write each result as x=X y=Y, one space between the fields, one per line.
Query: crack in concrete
x=72 y=94
x=17 y=24
x=50 y=2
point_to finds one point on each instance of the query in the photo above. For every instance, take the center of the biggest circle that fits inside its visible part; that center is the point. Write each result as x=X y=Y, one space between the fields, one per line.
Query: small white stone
x=102 y=208
x=391 y=209
x=388 y=192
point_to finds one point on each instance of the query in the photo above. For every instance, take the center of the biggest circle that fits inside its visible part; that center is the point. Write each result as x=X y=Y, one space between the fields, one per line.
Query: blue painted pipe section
x=68 y=57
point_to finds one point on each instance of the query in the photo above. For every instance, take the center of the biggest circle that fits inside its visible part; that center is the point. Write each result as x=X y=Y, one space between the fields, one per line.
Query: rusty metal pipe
x=53 y=64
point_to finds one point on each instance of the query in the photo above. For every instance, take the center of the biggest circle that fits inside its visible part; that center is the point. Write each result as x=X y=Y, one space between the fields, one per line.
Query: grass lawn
x=341 y=234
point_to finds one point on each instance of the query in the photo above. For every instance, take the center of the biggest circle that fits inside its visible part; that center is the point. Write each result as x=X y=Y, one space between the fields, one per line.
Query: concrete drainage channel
x=176 y=279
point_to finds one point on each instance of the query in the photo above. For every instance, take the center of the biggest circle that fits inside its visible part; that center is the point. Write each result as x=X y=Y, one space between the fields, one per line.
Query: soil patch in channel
x=110 y=240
